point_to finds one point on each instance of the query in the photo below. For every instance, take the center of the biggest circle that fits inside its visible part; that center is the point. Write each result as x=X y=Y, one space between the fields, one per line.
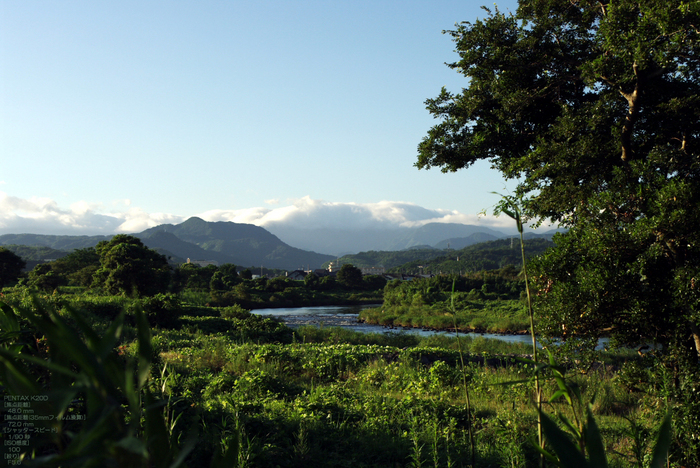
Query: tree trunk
x=696 y=337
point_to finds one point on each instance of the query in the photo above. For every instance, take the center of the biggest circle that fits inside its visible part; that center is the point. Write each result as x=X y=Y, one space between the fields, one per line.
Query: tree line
x=125 y=266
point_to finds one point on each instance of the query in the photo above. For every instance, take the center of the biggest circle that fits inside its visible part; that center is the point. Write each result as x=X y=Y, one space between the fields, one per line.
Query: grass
x=332 y=397
x=492 y=316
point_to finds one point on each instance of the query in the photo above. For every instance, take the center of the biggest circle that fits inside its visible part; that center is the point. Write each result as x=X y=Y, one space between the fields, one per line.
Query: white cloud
x=43 y=216
x=137 y=220
x=318 y=214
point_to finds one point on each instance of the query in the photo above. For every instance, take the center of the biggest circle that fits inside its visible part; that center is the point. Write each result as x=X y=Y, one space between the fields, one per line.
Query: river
x=346 y=317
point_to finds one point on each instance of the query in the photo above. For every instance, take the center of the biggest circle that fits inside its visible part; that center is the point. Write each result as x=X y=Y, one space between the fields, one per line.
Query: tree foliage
x=78 y=267
x=225 y=278
x=11 y=266
x=349 y=276
x=128 y=267
x=595 y=106
x=44 y=278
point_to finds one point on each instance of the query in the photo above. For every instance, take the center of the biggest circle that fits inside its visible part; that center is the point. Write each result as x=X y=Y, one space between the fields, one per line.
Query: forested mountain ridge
x=225 y=242
x=343 y=241
x=249 y=245
x=476 y=256
x=35 y=253
x=228 y=242
x=390 y=259
x=483 y=256
x=62 y=242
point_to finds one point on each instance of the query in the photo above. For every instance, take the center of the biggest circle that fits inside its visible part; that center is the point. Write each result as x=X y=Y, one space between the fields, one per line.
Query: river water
x=347 y=317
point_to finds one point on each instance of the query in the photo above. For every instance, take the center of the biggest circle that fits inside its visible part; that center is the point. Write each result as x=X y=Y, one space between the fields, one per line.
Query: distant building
x=203 y=263
x=373 y=271
x=296 y=275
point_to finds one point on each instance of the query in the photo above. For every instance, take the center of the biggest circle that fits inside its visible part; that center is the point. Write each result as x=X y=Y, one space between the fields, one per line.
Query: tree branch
x=631 y=118
x=602 y=9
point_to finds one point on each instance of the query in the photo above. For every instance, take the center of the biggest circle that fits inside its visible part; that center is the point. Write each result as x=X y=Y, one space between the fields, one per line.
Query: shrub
x=235 y=311
x=161 y=310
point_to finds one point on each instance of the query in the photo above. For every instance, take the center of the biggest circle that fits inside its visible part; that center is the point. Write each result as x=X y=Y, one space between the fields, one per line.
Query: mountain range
x=250 y=245
x=343 y=241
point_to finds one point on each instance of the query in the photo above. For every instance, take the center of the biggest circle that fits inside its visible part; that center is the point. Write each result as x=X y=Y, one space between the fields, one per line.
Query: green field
x=267 y=396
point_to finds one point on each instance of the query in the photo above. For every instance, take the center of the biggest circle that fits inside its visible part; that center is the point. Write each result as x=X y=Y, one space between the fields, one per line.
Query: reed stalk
x=511 y=207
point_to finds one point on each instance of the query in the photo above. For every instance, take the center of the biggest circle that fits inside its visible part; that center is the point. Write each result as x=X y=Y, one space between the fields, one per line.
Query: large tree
x=595 y=106
x=350 y=276
x=130 y=268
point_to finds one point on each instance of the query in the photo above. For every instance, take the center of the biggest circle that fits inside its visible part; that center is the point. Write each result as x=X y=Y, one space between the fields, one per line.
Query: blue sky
x=115 y=116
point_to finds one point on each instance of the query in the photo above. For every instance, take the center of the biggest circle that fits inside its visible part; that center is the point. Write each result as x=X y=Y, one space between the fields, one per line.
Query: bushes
x=161 y=310
x=235 y=312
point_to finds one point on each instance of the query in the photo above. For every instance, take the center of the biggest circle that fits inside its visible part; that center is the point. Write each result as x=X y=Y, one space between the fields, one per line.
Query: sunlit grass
x=335 y=397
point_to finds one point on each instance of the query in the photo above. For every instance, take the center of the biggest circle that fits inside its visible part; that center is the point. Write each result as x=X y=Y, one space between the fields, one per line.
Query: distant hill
x=435 y=233
x=35 y=253
x=488 y=255
x=462 y=242
x=65 y=243
x=390 y=259
x=483 y=256
x=249 y=245
x=543 y=235
x=341 y=241
x=226 y=242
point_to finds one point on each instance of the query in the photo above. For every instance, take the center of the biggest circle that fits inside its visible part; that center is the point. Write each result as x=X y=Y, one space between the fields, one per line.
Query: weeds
x=381 y=401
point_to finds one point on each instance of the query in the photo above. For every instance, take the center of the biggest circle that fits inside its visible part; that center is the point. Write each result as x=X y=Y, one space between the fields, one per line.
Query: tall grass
x=195 y=298
x=333 y=397
x=510 y=206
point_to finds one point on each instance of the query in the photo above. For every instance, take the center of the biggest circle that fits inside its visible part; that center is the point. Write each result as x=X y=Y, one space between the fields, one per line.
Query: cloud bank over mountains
x=307 y=213
x=38 y=215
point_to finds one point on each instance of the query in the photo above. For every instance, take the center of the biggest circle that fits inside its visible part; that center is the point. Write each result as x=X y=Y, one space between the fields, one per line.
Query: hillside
x=226 y=242
x=457 y=243
x=35 y=253
x=339 y=241
x=64 y=243
x=390 y=259
x=484 y=256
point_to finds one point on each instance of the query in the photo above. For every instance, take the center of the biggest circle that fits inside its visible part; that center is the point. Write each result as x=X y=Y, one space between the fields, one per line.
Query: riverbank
x=317 y=302
x=291 y=296
x=479 y=316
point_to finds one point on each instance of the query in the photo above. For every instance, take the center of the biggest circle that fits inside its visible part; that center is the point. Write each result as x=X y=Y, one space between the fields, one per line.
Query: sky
x=118 y=116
